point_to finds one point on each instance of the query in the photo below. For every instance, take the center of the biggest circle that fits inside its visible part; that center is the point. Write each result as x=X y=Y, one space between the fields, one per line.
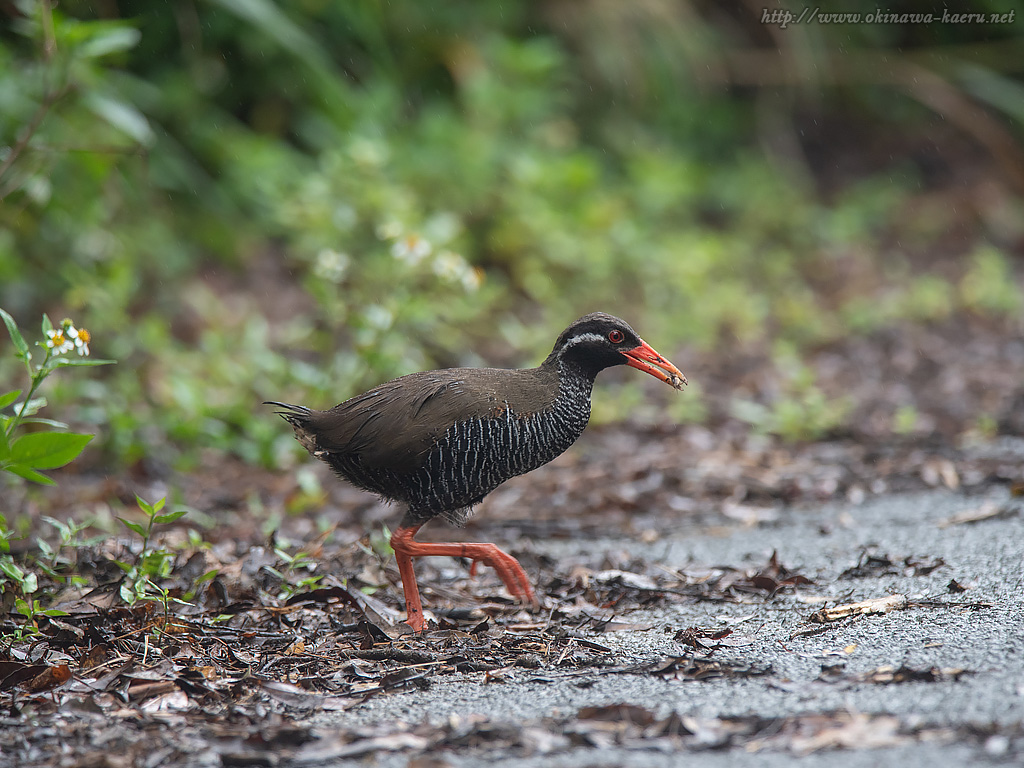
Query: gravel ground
x=973 y=718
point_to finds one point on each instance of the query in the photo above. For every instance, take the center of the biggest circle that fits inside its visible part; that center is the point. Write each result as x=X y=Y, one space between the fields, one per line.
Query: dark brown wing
x=396 y=424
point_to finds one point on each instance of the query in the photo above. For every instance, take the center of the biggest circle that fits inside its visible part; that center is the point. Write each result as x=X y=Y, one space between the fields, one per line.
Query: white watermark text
x=783 y=18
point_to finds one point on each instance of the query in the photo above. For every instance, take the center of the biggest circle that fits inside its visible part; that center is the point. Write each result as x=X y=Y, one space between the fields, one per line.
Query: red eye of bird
x=615 y=337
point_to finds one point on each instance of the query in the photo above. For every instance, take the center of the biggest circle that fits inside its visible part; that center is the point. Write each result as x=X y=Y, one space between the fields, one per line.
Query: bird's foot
x=508 y=569
x=406 y=548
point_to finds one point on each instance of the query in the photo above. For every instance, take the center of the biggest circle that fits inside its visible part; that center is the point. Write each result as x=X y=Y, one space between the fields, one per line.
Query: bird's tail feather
x=293 y=414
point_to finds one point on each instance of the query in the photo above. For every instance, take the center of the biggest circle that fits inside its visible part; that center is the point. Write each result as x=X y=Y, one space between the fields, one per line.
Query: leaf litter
x=248 y=661
x=239 y=671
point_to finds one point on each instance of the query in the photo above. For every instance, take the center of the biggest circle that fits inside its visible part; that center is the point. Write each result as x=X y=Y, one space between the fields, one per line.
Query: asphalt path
x=974 y=718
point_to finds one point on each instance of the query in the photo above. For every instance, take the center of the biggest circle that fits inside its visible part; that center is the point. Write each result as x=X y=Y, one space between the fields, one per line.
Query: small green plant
x=13 y=575
x=49 y=447
x=905 y=419
x=151 y=564
x=988 y=286
x=380 y=544
x=25 y=582
x=52 y=561
x=193 y=592
x=801 y=412
x=301 y=560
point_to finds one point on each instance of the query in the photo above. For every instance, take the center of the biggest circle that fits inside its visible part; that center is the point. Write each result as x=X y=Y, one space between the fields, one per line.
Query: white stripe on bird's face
x=581 y=338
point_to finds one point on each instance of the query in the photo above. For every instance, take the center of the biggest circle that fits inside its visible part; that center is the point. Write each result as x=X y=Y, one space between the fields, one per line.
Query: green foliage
x=904 y=420
x=988 y=286
x=300 y=561
x=19 y=584
x=253 y=199
x=53 y=562
x=25 y=454
x=380 y=543
x=151 y=565
x=311 y=494
x=799 y=410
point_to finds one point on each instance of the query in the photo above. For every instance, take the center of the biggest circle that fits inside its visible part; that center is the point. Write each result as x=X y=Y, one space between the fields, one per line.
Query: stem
x=49 y=40
x=37 y=379
x=145 y=539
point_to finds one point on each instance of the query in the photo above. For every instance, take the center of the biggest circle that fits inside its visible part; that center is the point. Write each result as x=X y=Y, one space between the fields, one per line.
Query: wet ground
x=854 y=601
x=938 y=680
x=883 y=630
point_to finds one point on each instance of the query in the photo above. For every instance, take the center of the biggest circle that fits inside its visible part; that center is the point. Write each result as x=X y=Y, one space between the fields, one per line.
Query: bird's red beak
x=644 y=358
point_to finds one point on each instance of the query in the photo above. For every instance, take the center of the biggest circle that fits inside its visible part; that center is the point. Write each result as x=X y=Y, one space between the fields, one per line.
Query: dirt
x=703 y=588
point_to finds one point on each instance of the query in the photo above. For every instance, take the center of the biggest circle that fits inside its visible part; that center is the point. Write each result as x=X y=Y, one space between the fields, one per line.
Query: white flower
x=368 y=152
x=59 y=341
x=442 y=227
x=389 y=230
x=449 y=265
x=331 y=265
x=378 y=317
x=472 y=278
x=411 y=249
x=82 y=338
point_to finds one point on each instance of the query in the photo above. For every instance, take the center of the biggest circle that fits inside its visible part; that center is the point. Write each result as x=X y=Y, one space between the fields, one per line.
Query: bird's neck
x=569 y=363
x=575 y=383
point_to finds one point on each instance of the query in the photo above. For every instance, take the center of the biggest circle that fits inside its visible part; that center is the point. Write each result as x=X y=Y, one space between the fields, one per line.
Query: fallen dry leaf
x=887 y=674
x=49 y=678
x=863 y=608
x=856 y=731
x=988 y=511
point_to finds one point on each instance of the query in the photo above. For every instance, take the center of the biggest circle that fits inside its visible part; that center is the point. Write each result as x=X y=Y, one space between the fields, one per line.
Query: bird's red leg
x=400 y=540
x=506 y=566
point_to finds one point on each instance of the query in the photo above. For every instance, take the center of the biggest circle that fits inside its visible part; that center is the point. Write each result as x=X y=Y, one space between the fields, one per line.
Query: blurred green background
x=246 y=200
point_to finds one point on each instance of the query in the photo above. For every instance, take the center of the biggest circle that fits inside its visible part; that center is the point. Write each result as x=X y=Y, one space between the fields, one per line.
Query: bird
x=437 y=442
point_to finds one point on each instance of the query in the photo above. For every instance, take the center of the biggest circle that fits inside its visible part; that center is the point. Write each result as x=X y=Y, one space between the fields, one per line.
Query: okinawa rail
x=437 y=442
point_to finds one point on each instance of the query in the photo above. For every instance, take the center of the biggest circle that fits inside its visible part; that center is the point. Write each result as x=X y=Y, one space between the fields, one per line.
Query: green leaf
x=159 y=504
x=208 y=576
x=47 y=422
x=29 y=584
x=29 y=474
x=47 y=325
x=48 y=450
x=64 y=362
x=44 y=547
x=139 y=529
x=127 y=593
x=33 y=406
x=121 y=115
x=10 y=397
x=12 y=570
x=108 y=39
x=170 y=517
x=268 y=17
x=16 y=337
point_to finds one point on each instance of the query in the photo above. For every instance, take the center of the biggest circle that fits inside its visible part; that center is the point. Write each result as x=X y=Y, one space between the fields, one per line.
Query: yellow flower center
x=84 y=335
